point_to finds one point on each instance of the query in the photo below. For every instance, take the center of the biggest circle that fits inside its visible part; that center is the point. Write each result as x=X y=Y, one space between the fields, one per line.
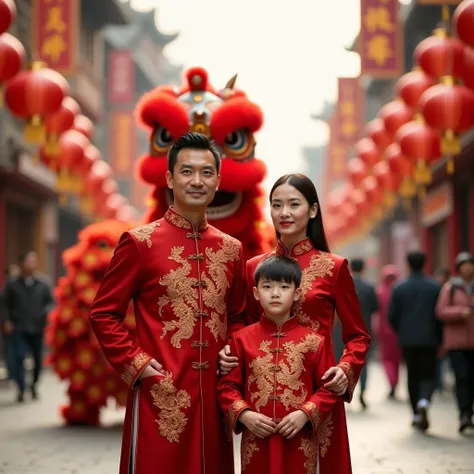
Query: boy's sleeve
x=231 y=389
x=322 y=402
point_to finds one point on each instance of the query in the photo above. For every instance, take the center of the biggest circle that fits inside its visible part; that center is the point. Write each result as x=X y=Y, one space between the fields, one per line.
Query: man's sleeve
x=237 y=298
x=120 y=284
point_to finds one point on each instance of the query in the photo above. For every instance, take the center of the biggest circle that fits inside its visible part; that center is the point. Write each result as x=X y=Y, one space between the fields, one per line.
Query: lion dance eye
x=161 y=140
x=239 y=144
x=102 y=244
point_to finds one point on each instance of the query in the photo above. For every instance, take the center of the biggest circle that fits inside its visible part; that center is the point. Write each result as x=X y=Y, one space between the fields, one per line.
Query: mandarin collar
x=272 y=326
x=298 y=249
x=178 y=220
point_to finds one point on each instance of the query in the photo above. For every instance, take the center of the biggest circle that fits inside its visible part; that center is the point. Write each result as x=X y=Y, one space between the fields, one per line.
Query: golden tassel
x=35 y=131
x=52 y=147
x=450 y=165
x=450 y=143
x=422 y=193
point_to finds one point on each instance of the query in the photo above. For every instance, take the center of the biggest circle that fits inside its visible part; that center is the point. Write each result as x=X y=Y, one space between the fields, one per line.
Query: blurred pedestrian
x=390 y=353
x=368 y=305
x=28 y=299
x=412 y=316
x=11 y=272
x=456 y=309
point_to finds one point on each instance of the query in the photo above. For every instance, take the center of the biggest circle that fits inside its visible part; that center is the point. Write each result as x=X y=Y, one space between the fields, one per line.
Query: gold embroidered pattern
x=179 y=221
x=302 y=247
x=324 y=434
x=290 y=374
x=320 y=266
x=144 y=233
x=287 y=372
x=310 y=450
x=217 y=283
x=171 y=420
x=182 y=296
x=131 y=371
x=248 y=447
x=351 y=380
x=235 y=410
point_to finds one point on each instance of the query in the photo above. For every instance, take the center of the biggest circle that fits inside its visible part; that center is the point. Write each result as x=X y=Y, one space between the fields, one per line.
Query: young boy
x=275 y=397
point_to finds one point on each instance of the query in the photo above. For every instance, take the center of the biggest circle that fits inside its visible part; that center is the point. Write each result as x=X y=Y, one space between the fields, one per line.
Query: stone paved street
x=33 y=440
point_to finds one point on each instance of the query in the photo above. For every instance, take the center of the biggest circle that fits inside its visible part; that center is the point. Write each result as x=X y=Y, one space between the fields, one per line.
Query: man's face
x=30 y=263
x=194 y=180
x=466 y=270
x=276 y=297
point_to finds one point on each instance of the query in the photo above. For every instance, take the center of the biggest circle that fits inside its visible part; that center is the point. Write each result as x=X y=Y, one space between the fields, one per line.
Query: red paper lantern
x=449 y=109
x=367 y=151
x=7 y=14
x=372 y=190
x=112 y=205
x=84 y=125
x=463 y=20
x=394 y=115
x=91 y=155
x=359 y=198
x=422 y=144
x=100 y=171
x=12 y=55
x=376 y=131
x=33 y=95
x=468 y=67
x=356 y=171
x=411 y=86
x=387 y=181
x=398 y=163
x=58 y=123
x=439 y=55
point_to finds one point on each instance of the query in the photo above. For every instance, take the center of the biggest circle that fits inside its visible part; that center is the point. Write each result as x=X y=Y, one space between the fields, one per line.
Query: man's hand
x=260 y=425
x=292 y=424
x=226 y=361
x=339 y=383
x=8 y=327
x=153 y=369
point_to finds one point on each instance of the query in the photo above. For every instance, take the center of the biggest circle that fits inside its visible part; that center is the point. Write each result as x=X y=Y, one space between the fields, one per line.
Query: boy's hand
x=292 y=424
x=260 y=425
x=226 y=361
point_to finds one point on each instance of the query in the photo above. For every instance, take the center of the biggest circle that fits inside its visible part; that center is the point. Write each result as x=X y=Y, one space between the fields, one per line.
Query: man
x=11 y=272
x=412 y=316
x=28 y=299
x=456 y=309
x=368 y=305
x=186 y=280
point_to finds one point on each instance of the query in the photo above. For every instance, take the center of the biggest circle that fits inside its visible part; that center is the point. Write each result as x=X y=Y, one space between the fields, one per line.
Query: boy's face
x=276 y=297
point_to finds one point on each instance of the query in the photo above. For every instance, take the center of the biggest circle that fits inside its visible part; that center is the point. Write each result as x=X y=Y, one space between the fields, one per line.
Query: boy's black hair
x=279 y=268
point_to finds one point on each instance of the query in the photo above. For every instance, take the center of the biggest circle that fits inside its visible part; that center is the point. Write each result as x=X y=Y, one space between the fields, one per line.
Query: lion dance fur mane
x=229 y=118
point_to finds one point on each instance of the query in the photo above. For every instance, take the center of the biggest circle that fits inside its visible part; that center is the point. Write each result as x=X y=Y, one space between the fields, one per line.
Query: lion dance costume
x=230 y=119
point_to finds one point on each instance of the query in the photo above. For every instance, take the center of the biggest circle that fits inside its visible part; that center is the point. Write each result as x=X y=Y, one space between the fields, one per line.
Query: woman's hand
x=339 y=383
x=292 y=424
x=227 y=362
x=260 y=425
x=153 y=369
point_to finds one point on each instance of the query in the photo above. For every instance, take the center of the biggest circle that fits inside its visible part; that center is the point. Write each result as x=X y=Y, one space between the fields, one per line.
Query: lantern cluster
x=75 y=354
x=434 y=105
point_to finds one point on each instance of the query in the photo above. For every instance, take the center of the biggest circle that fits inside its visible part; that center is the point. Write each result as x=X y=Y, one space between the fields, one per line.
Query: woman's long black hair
x=315 y=229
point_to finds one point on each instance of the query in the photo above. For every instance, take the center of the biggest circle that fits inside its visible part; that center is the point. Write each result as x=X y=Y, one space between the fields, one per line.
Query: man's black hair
x=196 y=141
x=416 y=260
x=357 y=265
x=23 y=256
x=278 y=268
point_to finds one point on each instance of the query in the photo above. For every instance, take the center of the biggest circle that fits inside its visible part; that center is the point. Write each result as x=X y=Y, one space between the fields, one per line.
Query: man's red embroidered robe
x=327 y=288
x=188 y=288
x=280 y=370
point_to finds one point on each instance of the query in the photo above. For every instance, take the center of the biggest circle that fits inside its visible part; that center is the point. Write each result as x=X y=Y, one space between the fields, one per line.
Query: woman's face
x=291 y=211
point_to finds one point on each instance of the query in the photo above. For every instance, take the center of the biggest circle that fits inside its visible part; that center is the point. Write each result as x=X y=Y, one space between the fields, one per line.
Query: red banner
x=121 y=74
x=55 y=33
x=122 y=143
x=381 y=39
x=350 y=109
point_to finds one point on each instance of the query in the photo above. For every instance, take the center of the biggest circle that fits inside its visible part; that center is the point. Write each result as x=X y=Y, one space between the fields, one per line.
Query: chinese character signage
x=55 y=33
x=337 y=152
x=349 y=111
x=121 y=74
x=381 y=39
x=122 y=143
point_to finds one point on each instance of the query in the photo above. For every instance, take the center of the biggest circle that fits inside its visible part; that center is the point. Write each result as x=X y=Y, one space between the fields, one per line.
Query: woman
x=327 y=287
x=390 y=353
